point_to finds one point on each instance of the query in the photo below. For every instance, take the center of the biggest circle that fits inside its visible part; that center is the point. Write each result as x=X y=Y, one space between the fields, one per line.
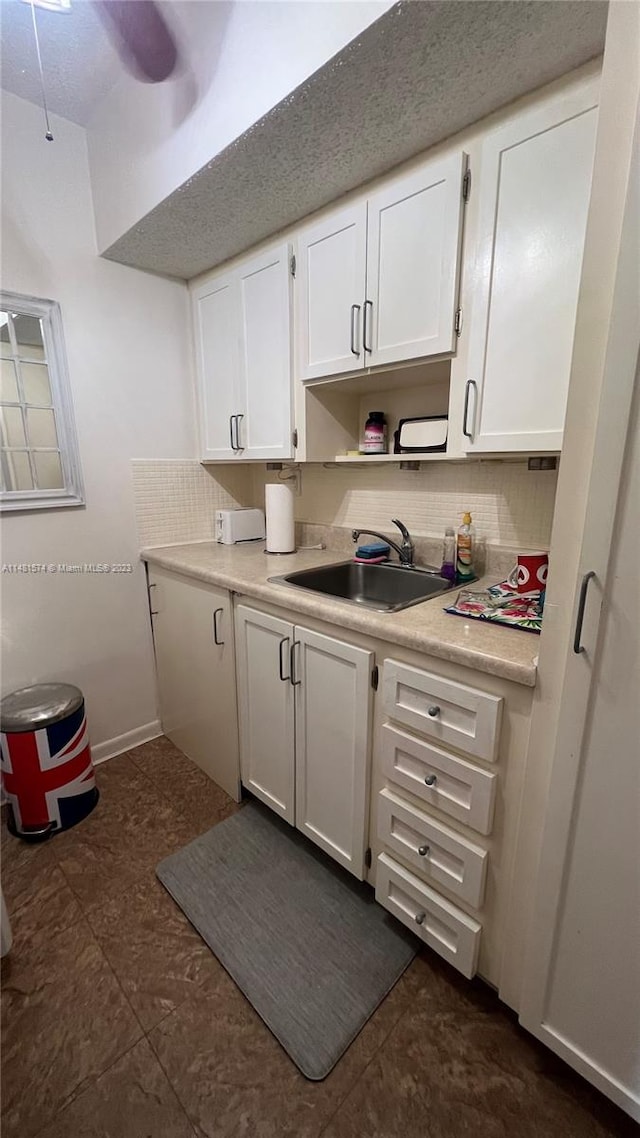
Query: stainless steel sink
x=385 y=588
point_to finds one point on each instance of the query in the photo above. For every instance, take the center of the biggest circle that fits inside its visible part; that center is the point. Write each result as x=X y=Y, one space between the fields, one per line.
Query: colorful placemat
x=499 y=604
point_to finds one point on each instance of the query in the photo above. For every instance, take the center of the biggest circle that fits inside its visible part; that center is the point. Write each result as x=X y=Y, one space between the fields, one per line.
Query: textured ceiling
x=419 y=74
x=79 y=64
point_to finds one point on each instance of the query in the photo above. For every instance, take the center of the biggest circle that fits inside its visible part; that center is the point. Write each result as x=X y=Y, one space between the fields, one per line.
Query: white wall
x=128 y=350
x=242 y=59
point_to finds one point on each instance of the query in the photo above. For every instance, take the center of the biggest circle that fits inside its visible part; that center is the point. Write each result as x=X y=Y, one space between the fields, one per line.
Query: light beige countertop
x=245 y=569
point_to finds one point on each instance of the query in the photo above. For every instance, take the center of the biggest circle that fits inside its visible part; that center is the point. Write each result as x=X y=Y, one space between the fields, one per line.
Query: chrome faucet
x=405 y=551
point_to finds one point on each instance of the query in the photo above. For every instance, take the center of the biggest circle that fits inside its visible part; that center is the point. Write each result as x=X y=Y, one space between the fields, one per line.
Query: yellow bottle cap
x=466 y=519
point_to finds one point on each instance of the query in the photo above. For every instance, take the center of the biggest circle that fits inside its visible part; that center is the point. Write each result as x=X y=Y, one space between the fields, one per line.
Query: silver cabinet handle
x=423 y=851
x=216 y=639
x=368 y=304
x=152 y=585
x=431 y=779
x=231 y=439
x=465 y=414
x=419 y=918
x=238 y=445
x=292 y=663
x=433 y=711
x=285 y=640
x=578 y=648
x=355 y=309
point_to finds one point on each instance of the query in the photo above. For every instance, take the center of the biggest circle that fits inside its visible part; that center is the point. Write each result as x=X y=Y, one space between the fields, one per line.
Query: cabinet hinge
x=294 y=437
x=367 y=858
x=375 y=675
x=292 y=265
x=466 y=186
x=457 y=322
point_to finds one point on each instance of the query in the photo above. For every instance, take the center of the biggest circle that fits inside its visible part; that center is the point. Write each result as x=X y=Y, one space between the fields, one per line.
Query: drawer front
x=444 y=781
x=438 y=854
x=443 y=710
x=437 y=922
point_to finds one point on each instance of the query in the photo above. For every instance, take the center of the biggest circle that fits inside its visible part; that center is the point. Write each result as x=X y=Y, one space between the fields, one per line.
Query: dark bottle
x=374 y=440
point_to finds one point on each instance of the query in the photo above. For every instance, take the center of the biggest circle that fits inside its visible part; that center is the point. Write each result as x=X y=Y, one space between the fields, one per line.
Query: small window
x=39 y=455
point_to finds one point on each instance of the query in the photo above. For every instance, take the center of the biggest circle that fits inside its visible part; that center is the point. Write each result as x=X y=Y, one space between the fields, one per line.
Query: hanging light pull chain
x=48 y=132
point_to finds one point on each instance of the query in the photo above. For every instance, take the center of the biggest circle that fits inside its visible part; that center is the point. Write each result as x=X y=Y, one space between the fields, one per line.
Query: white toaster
x=244 y=524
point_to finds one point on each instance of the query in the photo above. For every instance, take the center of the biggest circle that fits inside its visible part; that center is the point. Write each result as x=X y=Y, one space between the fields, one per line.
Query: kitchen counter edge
x=421 y=628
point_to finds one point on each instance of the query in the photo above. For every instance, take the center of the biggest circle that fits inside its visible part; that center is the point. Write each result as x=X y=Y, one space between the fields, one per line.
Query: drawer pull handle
x=419 y=918
x=216 y=635
x=431 y=779
x=423 y=851
x=433 y=711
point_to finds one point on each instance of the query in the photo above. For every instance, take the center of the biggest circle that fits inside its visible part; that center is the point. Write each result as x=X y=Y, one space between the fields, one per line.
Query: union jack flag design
x=48 y=774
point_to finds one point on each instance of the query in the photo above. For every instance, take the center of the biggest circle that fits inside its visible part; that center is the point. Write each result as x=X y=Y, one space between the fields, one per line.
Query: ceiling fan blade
x=141 y=37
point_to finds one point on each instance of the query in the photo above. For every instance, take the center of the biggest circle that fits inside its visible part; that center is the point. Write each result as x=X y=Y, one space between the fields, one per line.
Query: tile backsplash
x=511 y=506
x=175 y=501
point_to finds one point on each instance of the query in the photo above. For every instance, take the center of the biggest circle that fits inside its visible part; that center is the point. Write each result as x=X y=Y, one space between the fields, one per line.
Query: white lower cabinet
x=444 y=781
x=443 y=856
x=195 y=667
x=441 y=925
x=266 y=709
x=304 y=702
x=429 y=795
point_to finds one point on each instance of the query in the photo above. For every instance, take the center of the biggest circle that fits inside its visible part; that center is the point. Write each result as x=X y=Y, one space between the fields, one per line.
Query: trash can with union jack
x=47 y=772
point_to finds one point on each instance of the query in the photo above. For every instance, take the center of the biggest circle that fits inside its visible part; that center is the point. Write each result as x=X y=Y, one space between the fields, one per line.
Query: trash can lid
x=38 y=706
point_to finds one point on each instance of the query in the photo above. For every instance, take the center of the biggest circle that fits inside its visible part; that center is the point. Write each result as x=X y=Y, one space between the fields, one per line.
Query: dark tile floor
x=117 y=1021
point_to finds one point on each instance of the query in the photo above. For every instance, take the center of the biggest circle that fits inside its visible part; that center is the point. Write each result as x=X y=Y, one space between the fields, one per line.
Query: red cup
x=530 y=574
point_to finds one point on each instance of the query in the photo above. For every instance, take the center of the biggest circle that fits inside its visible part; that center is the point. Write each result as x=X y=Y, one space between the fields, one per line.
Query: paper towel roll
x=278 y=500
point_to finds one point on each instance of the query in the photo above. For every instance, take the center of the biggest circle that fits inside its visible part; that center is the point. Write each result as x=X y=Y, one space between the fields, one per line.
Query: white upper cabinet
x=331 y=280
x=216 y=327
x=265 y=343
x=378 y=279
x=243 y=356
x=534 y=185
x=413 y=246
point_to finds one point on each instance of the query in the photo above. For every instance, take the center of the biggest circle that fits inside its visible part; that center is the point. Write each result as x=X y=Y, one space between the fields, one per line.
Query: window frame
x=72 y=493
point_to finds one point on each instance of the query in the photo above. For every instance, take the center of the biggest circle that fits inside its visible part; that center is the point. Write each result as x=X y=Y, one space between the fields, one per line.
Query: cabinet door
x=331 y=290
x=193 y=638
x=264 y=432
x=535 y=186
x=413 y=250
x=216 y=329
x=333 y=703
x=266 y=709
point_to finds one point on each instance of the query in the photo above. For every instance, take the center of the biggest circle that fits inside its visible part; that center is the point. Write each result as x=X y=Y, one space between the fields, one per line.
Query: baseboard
x=112 y=747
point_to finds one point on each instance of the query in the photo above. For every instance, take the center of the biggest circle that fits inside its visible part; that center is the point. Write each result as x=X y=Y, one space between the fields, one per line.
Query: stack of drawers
x=428 y=720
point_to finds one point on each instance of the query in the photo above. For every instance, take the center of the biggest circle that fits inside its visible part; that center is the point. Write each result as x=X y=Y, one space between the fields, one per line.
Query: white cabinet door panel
x=217 y=335
x=413 y=245
x=535 y=188
x=265 y=368
x=266 y=709
x=331 y=283
x=333 y=708
x=196 y=676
